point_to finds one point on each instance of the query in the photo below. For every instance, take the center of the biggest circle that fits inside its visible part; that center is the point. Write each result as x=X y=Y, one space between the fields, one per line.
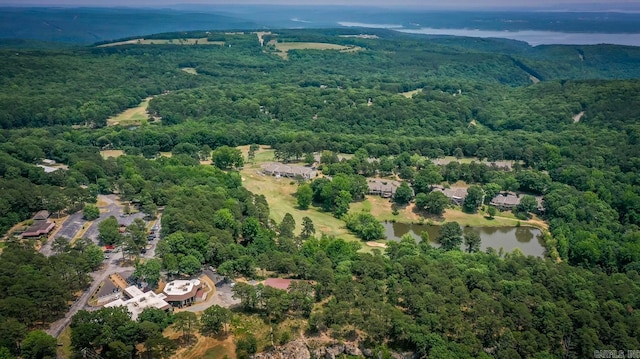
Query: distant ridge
x=90 y=25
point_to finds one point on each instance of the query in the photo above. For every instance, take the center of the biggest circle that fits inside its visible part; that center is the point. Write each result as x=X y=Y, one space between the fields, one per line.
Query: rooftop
x=179 y=290
x=38 y=229
x=140 y=302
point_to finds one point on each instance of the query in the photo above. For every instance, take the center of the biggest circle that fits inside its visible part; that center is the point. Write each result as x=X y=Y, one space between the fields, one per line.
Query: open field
x=132 y=116
x=187 y=41
x=203 y=346
x=409 y=94
x=279 y=193
x=111 y=153
x=284 y=47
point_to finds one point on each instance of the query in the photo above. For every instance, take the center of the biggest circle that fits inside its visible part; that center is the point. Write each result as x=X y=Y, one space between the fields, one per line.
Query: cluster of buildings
x=504 y=201
x=116 y=291
x=283 y=170
x=503 y=165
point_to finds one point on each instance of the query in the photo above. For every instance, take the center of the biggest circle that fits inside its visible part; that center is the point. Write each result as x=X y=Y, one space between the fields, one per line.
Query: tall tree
x=304 y=196
x=38 y=345
x=214 y=320
x=287 y=226
x=341 y=204
x=308 y=230
x=403 y=194
x=472 y=241
x=450 y=236
x=187 y=323
x=473 y=200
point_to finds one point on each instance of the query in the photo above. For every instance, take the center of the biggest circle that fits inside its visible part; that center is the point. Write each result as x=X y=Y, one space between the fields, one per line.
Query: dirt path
x=260 y=36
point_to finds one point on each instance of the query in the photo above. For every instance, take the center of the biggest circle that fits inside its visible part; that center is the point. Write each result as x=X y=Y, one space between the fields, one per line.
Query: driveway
x=151 y=252
x=81 y=303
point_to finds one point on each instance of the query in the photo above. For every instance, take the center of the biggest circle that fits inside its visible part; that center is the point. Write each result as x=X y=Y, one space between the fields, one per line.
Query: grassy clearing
x=409 y=94
x=64 y=340
x=280 y=196
x=132 y=116
x=284 y=47
x=166 y=154
x=279 y=193
x=189 y=70
x=481 y=219
x=187 y=41
x=111 y=153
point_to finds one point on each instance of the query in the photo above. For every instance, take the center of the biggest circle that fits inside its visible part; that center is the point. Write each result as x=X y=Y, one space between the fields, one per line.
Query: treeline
x=88 y=85
x=36 y=290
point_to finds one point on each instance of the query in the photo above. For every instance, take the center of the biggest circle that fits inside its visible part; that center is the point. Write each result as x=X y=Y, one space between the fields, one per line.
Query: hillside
x=214 y=133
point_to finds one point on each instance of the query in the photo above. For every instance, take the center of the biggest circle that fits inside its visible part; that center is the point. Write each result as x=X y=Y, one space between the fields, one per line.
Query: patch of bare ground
x=376 y=244
x=578 y=117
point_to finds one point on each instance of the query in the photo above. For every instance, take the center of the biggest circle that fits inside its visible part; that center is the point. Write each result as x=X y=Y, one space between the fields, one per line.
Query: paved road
x=81 y=303
x=151 y=252
x=69 y=230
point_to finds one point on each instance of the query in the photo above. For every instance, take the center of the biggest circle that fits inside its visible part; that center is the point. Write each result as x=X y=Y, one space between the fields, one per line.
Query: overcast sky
x=567 y=4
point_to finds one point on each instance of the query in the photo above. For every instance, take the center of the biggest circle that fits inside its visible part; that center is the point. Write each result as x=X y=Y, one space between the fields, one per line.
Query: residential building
x=292 y=171
x=457 y=195
x=505 y=201
x=382 y=187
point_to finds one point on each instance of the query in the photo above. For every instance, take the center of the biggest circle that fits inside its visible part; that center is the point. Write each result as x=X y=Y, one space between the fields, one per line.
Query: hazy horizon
x=552 y=5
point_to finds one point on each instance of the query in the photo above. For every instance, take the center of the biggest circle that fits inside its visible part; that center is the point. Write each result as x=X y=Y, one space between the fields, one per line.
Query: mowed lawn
x=132 y=116
x=284 y=47
x=279 y=193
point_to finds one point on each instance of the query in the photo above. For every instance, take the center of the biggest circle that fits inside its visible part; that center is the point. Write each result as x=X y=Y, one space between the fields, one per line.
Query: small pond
x=527 y=239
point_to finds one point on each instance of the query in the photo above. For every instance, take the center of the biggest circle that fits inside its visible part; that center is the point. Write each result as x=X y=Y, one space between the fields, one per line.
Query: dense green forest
x=568 y=116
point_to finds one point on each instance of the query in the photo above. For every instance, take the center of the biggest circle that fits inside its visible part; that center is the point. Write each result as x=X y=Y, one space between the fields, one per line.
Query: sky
x=567 y=4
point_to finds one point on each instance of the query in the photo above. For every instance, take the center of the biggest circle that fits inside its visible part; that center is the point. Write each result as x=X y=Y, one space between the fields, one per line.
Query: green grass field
x=133 y=116
x=409 y=94
x=64 y=340
x=284 y=47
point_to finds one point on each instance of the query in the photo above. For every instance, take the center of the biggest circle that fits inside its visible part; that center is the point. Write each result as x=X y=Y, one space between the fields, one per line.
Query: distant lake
x=532 y=37
x=527 y=239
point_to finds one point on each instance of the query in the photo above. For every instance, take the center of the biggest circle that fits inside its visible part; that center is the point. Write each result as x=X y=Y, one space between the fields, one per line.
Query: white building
x=139 y=301
x=182 y=292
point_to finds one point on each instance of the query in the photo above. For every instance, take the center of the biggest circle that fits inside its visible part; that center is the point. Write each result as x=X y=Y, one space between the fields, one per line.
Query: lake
x=532 y=37
x=527 y=239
